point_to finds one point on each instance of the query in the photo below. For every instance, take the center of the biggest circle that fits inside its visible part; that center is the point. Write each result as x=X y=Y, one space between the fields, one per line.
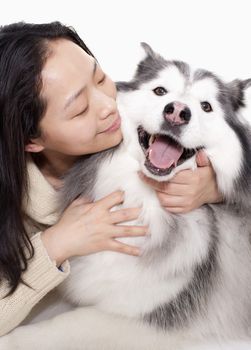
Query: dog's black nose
x=169 y=109
x=185 y=114
x=177 y=113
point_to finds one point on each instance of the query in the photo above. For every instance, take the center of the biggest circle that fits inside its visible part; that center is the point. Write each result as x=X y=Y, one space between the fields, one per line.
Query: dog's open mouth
x=162 y=152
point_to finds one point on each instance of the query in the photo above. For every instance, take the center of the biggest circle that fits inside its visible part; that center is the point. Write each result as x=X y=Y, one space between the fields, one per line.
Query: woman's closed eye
x=102 y=80
x=82 y=112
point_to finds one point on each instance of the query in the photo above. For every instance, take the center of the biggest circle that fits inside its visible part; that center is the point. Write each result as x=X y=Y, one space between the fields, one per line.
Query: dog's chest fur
x=176 y=245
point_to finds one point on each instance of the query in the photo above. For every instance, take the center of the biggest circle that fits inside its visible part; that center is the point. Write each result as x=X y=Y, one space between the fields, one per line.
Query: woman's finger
x=183 y=177
x=123 y=248
x=171 y=201
x=176 y=210
x=111 y=200
x=127 y=231
x=123 y=215
x=202 y=159
x=159 y=186
x=173 y=189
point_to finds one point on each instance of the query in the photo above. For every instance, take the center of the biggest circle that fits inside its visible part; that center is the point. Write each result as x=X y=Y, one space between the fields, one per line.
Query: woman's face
x=81 y=115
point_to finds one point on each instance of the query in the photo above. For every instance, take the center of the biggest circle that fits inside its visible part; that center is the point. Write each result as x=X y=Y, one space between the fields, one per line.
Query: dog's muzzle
x=162 y=152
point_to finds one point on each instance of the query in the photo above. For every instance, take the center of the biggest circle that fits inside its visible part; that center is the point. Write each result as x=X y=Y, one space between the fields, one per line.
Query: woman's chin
x=115 y=139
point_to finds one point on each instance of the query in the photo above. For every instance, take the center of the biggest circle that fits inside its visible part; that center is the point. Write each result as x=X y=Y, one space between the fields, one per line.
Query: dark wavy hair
x=23 y=52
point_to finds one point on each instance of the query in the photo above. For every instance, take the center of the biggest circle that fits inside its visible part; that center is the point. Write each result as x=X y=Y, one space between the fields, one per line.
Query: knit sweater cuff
x=41 y=277
x=42 y=272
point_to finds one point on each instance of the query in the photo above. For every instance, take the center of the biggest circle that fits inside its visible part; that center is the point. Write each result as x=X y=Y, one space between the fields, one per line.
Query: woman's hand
x=189 y=189
x=86 y=228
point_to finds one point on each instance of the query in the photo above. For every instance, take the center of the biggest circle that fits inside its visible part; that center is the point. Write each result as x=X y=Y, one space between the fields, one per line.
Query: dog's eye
x=206 y=106
x=160 y=91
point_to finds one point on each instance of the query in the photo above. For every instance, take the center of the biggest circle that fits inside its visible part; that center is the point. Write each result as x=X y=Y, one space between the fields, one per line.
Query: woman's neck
x=53 y=166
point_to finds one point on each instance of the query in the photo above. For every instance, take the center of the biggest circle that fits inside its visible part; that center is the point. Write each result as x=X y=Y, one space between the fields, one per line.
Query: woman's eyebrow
x=79 y=92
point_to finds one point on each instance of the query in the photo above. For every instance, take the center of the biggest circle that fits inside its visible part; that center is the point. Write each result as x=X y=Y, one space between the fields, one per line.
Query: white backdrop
x=212 y=34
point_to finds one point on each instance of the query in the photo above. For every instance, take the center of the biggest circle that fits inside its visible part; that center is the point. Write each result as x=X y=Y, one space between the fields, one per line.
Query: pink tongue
x=163 y=154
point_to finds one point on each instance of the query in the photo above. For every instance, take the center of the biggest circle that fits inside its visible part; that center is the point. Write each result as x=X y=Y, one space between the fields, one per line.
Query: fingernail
x=202 y=159
x=198 y=156
x=137 y=251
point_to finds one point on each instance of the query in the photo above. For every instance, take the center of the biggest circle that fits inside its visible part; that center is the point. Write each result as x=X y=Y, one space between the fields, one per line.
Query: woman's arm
x=189 y=189
x=84 y=228
x=42 y=276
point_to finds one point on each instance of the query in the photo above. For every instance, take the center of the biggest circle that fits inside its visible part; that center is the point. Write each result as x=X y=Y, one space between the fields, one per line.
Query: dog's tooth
x=151 y=139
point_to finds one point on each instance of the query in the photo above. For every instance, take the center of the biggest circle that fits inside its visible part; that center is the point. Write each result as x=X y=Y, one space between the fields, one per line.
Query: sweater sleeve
x=42 y=276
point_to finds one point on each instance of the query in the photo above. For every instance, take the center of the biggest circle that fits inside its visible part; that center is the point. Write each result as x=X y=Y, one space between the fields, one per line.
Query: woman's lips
x=115 y=126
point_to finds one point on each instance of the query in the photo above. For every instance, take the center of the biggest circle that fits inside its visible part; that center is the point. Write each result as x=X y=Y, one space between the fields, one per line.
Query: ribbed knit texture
x=42 y=274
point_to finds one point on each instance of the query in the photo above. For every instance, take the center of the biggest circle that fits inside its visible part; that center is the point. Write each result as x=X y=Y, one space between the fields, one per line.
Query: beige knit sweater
x=42 y=274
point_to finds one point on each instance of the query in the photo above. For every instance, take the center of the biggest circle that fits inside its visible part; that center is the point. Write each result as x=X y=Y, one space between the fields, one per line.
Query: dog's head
x=175 y=111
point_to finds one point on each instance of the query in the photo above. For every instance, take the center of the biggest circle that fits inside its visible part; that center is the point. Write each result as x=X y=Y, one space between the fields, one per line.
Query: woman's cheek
x=85 y=134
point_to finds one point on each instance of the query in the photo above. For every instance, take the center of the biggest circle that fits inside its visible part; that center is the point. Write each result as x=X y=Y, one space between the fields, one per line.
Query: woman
x=57 y=104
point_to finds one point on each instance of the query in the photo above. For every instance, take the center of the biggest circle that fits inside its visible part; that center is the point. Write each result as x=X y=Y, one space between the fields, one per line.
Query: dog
x=194 y=273
x=192 y=281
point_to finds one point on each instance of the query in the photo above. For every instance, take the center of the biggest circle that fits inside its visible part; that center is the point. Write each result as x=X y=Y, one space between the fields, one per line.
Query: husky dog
x=193 y=278
x=194 y=273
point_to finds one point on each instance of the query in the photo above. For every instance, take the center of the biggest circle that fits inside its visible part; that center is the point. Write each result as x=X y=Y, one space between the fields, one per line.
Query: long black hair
x=23 y=52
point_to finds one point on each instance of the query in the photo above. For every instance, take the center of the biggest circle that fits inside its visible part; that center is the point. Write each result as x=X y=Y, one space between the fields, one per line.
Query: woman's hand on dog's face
x=189 y=189
x=86 y=228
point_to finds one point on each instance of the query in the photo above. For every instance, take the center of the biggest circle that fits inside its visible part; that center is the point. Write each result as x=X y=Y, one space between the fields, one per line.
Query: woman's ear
x=34 y=147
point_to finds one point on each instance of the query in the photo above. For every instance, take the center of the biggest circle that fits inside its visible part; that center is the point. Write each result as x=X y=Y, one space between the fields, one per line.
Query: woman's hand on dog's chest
x=189 y=189
x=87 y=228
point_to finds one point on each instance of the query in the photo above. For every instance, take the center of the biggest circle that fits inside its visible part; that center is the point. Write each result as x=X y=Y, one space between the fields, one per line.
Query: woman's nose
x=105 y=105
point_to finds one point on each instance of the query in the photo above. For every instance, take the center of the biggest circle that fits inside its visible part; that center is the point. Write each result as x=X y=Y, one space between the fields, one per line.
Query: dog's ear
x=239 y=93
x=125 y=85
x=147 y=50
